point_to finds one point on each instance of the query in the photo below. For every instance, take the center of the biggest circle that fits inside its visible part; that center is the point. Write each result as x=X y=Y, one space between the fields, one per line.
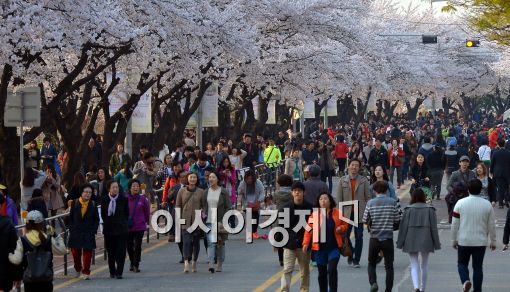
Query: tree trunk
x=412 y=111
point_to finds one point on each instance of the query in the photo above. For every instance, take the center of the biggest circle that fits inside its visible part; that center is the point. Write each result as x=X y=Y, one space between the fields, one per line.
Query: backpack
x=38 y=263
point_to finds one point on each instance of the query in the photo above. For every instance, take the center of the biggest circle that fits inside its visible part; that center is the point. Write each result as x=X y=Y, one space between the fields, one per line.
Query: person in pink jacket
x=139 y=217
x=228 y=176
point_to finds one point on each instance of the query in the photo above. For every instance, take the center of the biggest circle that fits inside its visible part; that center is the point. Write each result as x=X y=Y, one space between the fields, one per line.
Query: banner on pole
x=210 y=106
x=271 y=113
x=332 y=112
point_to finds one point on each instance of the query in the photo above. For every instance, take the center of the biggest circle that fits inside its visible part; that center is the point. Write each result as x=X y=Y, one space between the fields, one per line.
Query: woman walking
x=228 y=177
x=115 y=213
x=294 y=166
x=83 y=223
x=380 y=174
x=51 y=191
x=418 y=236
x=36 y=238
x=216 y=197
x=139 y=218
x=397 y=157
x=251 y=192
x=326 y=254
x=488 y=185
x=188 y=200
x=419 y=173
x=32 y=179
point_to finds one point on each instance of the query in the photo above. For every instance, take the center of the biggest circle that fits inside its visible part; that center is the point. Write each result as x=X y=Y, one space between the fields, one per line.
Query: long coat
x=188 y=202
x=118 y=223
x=418 y=229
x=361 y=193
x=82 y=230
x=51 y=194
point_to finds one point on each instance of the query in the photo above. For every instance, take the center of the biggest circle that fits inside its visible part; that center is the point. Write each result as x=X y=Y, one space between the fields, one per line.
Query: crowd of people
x=373 y=161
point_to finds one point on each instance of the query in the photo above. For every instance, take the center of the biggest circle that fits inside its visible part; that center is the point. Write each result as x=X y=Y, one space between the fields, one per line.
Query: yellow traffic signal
x=472 y=43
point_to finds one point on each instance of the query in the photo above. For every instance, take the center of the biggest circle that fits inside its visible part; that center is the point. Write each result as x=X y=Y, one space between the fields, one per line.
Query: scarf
x=84 y=205
x=113 y=205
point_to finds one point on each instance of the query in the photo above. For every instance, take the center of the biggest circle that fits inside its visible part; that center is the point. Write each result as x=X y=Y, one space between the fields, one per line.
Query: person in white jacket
x=472 y=227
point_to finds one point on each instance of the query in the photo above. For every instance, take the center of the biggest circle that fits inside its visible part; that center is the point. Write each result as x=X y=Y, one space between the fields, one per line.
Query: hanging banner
x=141 y=119
x=332 y=112
x=309 y=111
x=271 y=113
x=192 y=122
x=255 y=102
x=210 y=106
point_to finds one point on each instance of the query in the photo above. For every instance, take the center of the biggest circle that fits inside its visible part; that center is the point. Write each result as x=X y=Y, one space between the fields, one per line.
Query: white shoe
x=85 y=277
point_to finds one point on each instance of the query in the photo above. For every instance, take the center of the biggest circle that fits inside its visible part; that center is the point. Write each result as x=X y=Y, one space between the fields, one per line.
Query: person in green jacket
x=272 y=154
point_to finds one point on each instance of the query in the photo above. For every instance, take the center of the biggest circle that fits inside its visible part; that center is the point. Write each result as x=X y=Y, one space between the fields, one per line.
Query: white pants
x=419 y=269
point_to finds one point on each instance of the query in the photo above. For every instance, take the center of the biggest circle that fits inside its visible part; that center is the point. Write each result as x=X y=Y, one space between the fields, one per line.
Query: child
x=267 y=205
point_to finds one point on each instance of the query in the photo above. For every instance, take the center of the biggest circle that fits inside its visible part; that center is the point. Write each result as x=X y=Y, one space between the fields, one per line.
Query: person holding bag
x=83 y=223
x=188 y=200
x=139 y=218
x=216 y=197
x=326 y=254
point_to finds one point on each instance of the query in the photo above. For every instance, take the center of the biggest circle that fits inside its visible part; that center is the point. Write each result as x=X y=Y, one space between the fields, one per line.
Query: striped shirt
x=381 y=215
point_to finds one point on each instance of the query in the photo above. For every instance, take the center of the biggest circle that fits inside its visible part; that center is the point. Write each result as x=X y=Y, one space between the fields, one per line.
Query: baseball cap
x=35 y=216
x=464 y=158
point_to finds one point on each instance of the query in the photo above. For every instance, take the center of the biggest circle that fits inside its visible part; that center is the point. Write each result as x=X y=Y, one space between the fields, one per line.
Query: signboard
x=332 y=112
x=271 y=113
x=210 y=106
x=24 y=106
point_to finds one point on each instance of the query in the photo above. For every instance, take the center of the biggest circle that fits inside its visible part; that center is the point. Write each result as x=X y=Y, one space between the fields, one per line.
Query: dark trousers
x=502 y=184
x=327 y=173
x=386 y=246
x=280 y=254
x=358 y=235
x=330 y=273
x=116 y=250
x=464 y=253
x=436 y=178
x=341 y=166
x=134 y=247
x=191 y=245
x=405 y=169
x=38 y=287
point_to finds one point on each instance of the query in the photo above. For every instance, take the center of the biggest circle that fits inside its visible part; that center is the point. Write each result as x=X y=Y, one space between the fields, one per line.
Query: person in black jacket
x=379 y=155
x=419 y=173
x=501 y=173
x=506 y=233
x=37 y=203
x=83 y=223
x=115 y=213
x=252 y=152
x=436 y=164
x=292 y=251
x=10 y=275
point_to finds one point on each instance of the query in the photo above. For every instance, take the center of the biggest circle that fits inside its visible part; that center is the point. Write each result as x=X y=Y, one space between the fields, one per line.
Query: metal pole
x=129 y=139
x=21 y=122
x=326 y=116
x=302 y=124
x=199 y=126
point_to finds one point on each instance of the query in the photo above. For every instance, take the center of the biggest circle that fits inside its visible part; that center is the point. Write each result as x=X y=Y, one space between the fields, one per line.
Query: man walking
x=501 y=173
x=354 y=187
x=293 y=251
x=473 y=223
x=382 y=218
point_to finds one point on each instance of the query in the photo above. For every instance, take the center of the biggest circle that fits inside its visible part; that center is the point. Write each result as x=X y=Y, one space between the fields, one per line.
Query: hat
x=298 y=185
x=35 y=216
x=464 y=158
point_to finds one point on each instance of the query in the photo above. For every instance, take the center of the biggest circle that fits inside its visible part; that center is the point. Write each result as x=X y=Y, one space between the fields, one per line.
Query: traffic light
x=429 y=39
x=472 y=43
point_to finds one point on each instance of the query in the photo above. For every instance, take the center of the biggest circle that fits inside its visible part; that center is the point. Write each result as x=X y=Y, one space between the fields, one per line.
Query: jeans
x=436 y=178
x=328 y=275
x=80 y=265
x=399 y=174
x=502 y=184
x=405 y=168
x=341 y=166
x=374 y=247
x=191 y=245
x=464 y=254
x=358 y=235
x=116 y=250
x=134 y=247
x=327 y=173
x=215 y=251
x=289 y=260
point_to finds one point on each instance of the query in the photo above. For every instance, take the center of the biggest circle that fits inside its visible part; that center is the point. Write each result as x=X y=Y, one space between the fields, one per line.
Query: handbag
x=346 y=249
x=255 y=206
x=130 y=221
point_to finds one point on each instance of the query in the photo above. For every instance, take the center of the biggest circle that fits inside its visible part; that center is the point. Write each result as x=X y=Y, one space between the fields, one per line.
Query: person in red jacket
x=397 y=156
x=170 y=182
x=341 y=151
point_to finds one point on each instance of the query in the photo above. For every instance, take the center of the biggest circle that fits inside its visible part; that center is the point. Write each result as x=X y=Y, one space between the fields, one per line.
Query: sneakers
x=349 y=261
x=374 y=288
x=255 y=235
x=264 y=236
x=467 y=286
x=356 y=265
x=85 y=277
